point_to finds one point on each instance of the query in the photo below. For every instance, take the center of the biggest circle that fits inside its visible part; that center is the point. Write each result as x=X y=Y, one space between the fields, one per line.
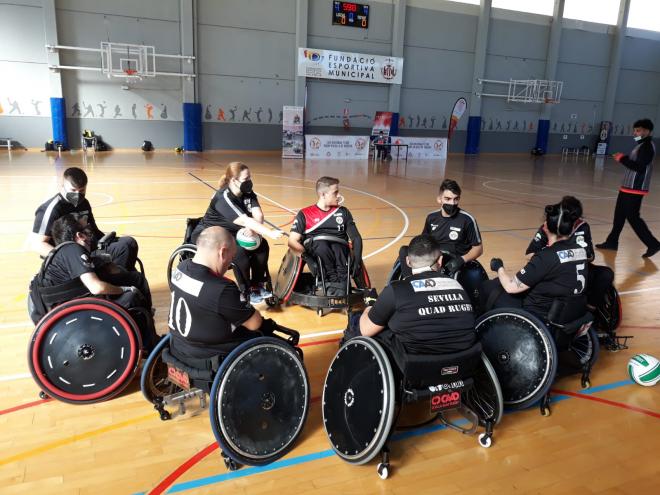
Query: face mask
x=74 y=197
x=450 y=209
x=638 y=138
x=246 y=187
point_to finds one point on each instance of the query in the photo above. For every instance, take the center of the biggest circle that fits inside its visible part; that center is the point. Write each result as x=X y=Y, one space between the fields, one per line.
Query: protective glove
x=496 y=264
x=126 y=288
x=618 y=156
x=454 y=265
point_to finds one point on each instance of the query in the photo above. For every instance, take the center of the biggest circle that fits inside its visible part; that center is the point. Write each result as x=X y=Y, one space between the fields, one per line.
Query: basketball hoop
x=132 y=72
x=550 y=101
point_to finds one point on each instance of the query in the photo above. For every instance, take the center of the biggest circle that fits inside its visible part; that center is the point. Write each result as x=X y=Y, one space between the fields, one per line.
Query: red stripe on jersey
x=315 y=216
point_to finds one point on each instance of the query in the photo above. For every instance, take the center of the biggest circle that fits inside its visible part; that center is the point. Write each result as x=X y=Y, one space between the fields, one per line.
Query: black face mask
x=450 y=210
x=75 y=198
x=246 y=187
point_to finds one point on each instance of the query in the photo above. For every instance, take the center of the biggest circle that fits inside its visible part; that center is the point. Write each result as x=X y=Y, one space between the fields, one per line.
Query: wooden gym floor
x=602 y=440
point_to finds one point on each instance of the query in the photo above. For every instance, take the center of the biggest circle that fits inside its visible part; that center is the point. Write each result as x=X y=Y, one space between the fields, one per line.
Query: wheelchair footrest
x=468 y=414
x=179 y=399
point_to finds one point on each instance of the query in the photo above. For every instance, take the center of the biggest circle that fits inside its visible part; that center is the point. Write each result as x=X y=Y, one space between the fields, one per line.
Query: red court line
x=178 y=472
x=318 y=342
x=609 y=402
x=174 y=475
x=24 y=406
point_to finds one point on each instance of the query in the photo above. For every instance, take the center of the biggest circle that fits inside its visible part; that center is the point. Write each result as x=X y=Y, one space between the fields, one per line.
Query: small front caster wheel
x=383 y=471
x=485 y=440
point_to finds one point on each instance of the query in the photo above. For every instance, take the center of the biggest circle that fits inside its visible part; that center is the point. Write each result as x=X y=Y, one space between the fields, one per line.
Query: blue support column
x=58 y=119
x=542 y=134
x=192 y=126
x=473 y=134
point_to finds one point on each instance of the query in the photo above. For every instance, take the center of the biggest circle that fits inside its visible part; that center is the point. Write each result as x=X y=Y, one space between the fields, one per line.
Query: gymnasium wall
x=246 y=67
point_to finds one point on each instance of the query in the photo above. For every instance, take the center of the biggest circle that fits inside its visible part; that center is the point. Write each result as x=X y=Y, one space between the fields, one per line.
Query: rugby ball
x=250 y=241
x=644 y=370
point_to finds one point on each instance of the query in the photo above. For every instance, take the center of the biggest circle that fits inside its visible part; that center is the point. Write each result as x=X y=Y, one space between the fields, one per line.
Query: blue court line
x=219 y=478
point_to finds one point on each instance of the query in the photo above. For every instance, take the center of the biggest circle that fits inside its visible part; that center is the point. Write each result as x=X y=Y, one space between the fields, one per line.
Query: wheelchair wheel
x=359 y=400
x=485 y=398
x=395 y=273
x=586 y=348
x=84 y=351
x=522 y=352
x=153 y=380
x=181 y=253
x=259 y=401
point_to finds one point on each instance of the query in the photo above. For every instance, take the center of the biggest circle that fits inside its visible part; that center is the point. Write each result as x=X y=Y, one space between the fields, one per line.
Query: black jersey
x=68 y=263
x=225 y=207
x=204 y=311
x=581 y=234
x=456 y=234
x=313 y=221
x=555 y=272
x=429 y=313
x=56 y=207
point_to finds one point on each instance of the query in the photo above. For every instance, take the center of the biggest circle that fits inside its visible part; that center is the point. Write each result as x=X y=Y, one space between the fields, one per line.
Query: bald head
x=213 y=238
x=216 y=248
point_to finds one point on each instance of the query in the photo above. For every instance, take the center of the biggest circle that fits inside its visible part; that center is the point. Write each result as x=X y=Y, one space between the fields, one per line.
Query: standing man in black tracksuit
x=636 y=181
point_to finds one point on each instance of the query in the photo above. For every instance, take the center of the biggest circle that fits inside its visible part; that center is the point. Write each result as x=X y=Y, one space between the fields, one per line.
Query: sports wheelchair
x=528 y=354
x=369 y=384
x=295 y=286
x=470 y=276
x=188 y=249
x=258 y=394
x=83 y=349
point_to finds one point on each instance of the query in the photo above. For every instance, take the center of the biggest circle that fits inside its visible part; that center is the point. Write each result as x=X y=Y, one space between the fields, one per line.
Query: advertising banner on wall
x=292 y=132
x=382 y=122
x=337 y=147
x=421 y=148
x=347 y=66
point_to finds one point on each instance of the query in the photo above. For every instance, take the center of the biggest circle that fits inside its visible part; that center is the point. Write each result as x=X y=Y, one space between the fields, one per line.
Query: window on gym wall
x=543 y=7
x=644 y=15
x=600 y=11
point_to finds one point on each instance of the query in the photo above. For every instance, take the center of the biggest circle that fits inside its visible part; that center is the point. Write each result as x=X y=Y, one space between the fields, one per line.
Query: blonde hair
x=233 y=170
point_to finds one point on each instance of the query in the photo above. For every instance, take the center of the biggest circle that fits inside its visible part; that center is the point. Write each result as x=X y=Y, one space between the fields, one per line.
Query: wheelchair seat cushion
x=195 y=373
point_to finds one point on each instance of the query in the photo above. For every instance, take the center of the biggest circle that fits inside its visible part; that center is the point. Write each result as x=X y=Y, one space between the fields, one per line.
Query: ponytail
x=232 y=171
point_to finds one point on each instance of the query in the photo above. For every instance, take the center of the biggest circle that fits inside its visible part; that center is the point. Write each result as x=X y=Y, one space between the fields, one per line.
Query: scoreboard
x=350 y=14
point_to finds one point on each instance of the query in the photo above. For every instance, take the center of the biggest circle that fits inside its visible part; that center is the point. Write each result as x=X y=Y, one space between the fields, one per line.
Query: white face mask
x=638 y=138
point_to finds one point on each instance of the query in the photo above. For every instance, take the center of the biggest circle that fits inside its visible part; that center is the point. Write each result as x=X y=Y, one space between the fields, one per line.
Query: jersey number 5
x=580 y=278
x=180 y=317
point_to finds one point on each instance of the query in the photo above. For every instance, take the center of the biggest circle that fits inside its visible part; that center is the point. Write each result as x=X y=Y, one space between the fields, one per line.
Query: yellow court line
x=74 y=438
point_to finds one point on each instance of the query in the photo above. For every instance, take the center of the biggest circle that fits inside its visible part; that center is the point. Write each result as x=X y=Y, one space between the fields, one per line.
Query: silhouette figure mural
x=89 y=110
x=117 y=112
x=134 y=110
x=163 y=113
x=246 y=115
x=258 y=114
x=232 y=111
x=207 y=113
x=35 y=104
x=75 y=110
x=221 y=114
x=102 y=107
x=150 y=109
x=15 y=107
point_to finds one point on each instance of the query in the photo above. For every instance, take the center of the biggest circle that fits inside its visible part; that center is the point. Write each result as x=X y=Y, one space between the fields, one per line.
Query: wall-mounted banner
x=421 y=148
x=337 y=147
x=292 y=132
x=346 y=66
x=382 y=122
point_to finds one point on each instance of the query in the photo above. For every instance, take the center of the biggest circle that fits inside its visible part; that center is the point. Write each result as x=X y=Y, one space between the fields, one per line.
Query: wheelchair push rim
x=84 y=351
x=359 y=400
x=259 y=401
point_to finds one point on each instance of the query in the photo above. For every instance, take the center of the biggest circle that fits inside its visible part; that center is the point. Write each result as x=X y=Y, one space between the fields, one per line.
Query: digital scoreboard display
x=350 y=14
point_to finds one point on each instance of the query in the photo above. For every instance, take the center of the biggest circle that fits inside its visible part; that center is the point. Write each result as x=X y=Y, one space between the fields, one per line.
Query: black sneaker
x=651 y=251
x=605 y=245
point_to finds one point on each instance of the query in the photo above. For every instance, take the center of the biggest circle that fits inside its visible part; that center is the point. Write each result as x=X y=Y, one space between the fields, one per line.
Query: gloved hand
x=496 y=264
x=308 y=244
x=268 y=326
x=126 y=288
x=454 y=265
x=617 y=156
x=370 y=297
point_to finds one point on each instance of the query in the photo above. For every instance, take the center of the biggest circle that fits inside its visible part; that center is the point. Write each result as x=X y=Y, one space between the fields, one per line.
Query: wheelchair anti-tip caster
x=43 y=395
x=545 y=406
x=485 y=440
x=383 y=470
x=230 y=463
x=586 y=383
